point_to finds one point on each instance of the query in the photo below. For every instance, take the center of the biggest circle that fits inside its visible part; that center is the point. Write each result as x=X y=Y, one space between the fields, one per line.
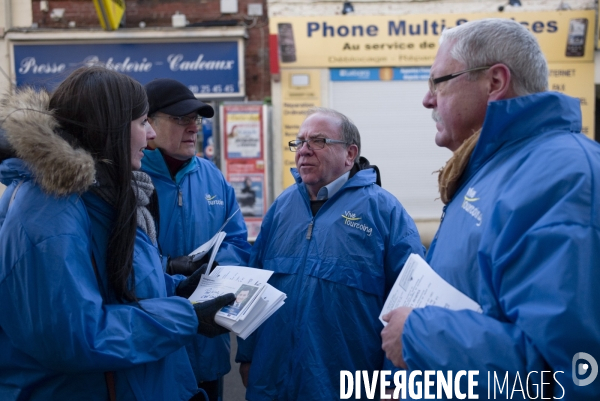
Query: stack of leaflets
x=256 y=300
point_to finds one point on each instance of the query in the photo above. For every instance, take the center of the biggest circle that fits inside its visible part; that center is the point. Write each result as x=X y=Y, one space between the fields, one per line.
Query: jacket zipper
x=440 y=226
x=310 y=228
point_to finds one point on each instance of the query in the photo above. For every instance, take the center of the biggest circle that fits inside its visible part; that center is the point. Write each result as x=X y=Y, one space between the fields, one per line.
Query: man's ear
x=351 y=153
x=500 y=83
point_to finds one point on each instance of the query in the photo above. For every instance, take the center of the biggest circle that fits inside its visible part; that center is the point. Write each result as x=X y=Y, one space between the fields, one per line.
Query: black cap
x=174 y=98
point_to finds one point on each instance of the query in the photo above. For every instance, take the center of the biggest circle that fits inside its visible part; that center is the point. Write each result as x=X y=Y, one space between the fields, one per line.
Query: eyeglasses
x=312 y=143
x=184 y=121
x=434 y=81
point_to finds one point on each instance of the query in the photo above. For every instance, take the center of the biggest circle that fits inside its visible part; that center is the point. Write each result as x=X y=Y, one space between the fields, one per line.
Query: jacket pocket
x=367 y=278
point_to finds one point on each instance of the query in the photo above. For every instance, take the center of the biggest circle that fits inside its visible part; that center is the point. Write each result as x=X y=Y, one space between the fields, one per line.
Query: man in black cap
x=194 y=202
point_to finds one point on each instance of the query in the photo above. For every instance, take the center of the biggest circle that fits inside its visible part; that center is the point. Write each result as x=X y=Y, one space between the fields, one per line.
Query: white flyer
x=418 y=285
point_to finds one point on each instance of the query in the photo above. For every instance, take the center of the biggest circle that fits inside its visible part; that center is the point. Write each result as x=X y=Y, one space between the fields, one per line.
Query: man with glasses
x=520 y=233
x=336 y=242
x=194 y=202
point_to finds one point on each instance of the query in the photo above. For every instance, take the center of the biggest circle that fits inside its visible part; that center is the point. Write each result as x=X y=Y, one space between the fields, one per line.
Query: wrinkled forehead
x=320 y=125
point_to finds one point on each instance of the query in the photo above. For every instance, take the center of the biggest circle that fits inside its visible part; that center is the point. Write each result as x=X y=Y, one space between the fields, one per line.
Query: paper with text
x=233 y=279
x=418 y=285
x=214 y=243
x=243 y=274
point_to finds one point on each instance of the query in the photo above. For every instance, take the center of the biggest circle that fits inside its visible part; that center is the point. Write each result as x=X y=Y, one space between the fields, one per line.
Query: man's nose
x=304 y=149
x=429 y=101
x=193 y=127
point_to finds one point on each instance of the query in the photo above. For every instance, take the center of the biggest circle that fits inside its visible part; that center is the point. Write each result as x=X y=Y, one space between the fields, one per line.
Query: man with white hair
x=520 y=232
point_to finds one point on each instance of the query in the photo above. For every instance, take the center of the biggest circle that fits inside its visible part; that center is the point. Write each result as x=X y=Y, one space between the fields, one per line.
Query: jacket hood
x=31 y=133
x=363 y=164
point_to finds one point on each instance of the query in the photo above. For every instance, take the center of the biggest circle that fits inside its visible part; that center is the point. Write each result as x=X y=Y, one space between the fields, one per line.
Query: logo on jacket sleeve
x=212 y=200
x=467 y=205
x=351 y=220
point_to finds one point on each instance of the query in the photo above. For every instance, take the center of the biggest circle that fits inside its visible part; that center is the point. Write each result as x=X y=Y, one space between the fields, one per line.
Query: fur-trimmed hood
x=31 y=131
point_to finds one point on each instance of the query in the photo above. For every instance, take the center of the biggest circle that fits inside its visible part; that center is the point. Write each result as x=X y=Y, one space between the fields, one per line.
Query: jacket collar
x=360 y=179
x=512 y=120
x=154 y=163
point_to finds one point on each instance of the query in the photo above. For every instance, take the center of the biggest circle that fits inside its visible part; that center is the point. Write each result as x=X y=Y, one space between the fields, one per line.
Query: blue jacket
x=58 y=334
x=521 y=237
x=193 y=207
x=336 y=269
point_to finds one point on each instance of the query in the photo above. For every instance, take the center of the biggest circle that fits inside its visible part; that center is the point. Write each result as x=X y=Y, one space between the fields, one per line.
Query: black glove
x=186 y=287
x=206 y=315
x=183 y=265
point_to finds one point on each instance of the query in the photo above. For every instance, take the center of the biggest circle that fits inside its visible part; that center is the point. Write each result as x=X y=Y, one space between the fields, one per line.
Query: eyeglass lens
x=185 y=120
x=315 y=143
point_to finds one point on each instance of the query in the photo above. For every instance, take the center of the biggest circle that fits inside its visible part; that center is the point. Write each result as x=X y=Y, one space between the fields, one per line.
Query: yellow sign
x=110 y=13
x=301 y=90
x=412 y=40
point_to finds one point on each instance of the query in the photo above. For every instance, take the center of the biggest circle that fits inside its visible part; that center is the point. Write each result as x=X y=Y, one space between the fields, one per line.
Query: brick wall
x=155 y=13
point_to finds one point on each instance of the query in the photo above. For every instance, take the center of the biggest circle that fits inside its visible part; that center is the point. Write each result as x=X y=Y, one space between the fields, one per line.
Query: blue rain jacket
x=193 y=207
x=521 y=237
x=336 y=269
x=57 y=334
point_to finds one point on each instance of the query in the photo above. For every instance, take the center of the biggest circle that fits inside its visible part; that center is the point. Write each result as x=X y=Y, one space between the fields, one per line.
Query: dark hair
x=95 y=106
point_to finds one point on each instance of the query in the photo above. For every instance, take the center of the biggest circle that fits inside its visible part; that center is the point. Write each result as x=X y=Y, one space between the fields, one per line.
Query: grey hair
x=500 y=41
x=349 y=131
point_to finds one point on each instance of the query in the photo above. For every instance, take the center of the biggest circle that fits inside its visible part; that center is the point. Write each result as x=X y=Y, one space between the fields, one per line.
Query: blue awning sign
x=210 y=69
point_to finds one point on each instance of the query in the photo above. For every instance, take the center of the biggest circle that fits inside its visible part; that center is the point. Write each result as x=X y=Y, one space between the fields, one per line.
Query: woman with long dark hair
x=87 y=311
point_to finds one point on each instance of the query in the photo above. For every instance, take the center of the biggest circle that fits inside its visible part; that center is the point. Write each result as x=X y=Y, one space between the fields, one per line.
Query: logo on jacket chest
x=469 y=207
x=212 y=200
x=351 y=220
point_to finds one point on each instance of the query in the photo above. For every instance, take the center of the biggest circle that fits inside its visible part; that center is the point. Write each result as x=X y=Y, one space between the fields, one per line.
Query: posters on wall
x=244 y=160
x=243 y=134
x=249 y=192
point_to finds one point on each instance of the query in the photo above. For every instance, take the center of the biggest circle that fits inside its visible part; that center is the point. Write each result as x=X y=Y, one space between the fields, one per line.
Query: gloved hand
x=183 y=265
x=206 y=315
x=187 y=287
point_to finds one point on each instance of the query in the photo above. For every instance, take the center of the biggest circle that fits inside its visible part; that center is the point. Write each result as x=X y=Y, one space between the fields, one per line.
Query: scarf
x=449 y=175
x=143 y=189
x=141 y=184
